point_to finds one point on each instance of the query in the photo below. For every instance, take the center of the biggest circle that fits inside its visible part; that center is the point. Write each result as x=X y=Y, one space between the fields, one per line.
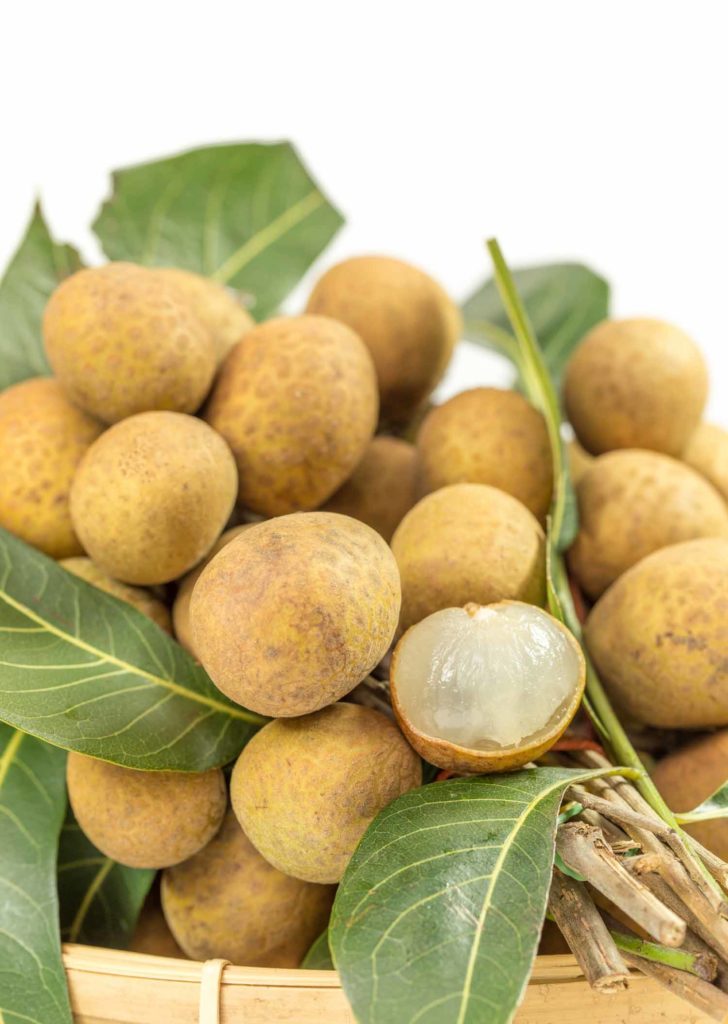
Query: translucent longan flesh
x=486 y=677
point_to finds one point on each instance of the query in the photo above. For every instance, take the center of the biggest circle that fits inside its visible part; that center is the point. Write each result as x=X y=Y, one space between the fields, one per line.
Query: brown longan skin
x=295 y=612
x=632 y=503
x=468 y=543
x=636 y=383
x=145 y=819
x=405 y=319
x=351 y=762
x=121 y=341
x=42 y=440
x=688 y=776
x=152 y=496
x=707 y=453
x=144 y=601
x=488 y=436
x=658 y=637
x=296 y=400
x=228 y=902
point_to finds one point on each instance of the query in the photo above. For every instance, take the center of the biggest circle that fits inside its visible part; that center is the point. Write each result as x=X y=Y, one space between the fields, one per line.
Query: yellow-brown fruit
x=658 y=637
x=228 y=902
x=152 y=935
x=137 y=597
x=707 y=452
x=382 y=488
x=488 y=436
x=296 y=400
x=181 y=607
x=216 y=307
x=579 y=461
x=468 y=543
x=689 y=776
x=404 y=317
x=152 y=496
x=121 y=340
x=632 y=503
x=42 y=440
x=635 y=384
x=350 y=762
x=295 y=612
x=145 y=819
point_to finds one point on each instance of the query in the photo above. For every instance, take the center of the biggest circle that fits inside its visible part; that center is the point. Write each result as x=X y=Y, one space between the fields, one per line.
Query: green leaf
x=100 y=899
x=715 y=806
x=318 y=957
x=38 y=265
x=88 y=672
x=32 y=804
x=563 y=300
x=248 y=215
x=439 y=913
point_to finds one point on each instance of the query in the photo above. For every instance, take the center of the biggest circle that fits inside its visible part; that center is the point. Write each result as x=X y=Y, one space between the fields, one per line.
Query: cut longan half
x=486 y=688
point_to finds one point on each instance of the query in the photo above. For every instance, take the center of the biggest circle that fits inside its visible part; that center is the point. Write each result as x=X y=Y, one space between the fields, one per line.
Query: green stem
x=681 y=959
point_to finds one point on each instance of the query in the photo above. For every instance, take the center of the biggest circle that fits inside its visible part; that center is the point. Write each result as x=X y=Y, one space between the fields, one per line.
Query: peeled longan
x=468 y=543
x=152 y=496
x=145 y=819
x=404 y=317
x=42 y=440
x=383 y=487
x=137 y=597
x=488 y=436
x=635 y=384
x=295 y=612
x=121 y=341
x=632 y=503
x=228 y=902
x=350 y=762
x=707 y=452
x=296 y=400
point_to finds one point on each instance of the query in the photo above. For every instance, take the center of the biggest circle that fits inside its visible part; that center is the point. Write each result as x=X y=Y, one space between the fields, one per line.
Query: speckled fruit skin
x=688 y=776
x=215 y=307
x=228 y=902
x=152 y=935
x=707 y=452
x=145 y=819
x=351 y=762
x=468 y=542
x=120 y=341
x=632 y=503
x=635 y=384
x=406 y=320
x=448 y=755
x=296 y=400
x=488 y=436
x=144 y=601
x=295 y=612
x=42 y=440
x=152 y=496
x=659 y=637
x=181 y=606
x=382 y=488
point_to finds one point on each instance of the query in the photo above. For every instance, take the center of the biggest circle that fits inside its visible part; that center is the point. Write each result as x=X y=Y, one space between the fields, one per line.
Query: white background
x=577 y=129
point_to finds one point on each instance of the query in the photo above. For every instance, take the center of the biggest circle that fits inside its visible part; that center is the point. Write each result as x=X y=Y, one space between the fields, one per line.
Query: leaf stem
x=681 y=959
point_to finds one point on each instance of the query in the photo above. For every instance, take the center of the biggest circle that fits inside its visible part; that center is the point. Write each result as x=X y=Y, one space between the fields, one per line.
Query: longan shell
x=121 y=341
x=690 y=775
x=488 y=436
x=659 y=637
x=217 y=309
x=468 y=543
x=383 y=487
x=144 y=601
x=405 y=319
x=350 y=762
x=632 y=503
x=152 y=935
x=152 y=496
x=295 y=612
x=42 y=440
x=296 y=400
x=145 y=819
x=636 y=383
x=579 y=461
x=707 y=452
x=228 y=902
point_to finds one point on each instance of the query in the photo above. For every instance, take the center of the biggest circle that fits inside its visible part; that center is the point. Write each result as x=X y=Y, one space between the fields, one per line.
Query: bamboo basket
x=110 y=986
